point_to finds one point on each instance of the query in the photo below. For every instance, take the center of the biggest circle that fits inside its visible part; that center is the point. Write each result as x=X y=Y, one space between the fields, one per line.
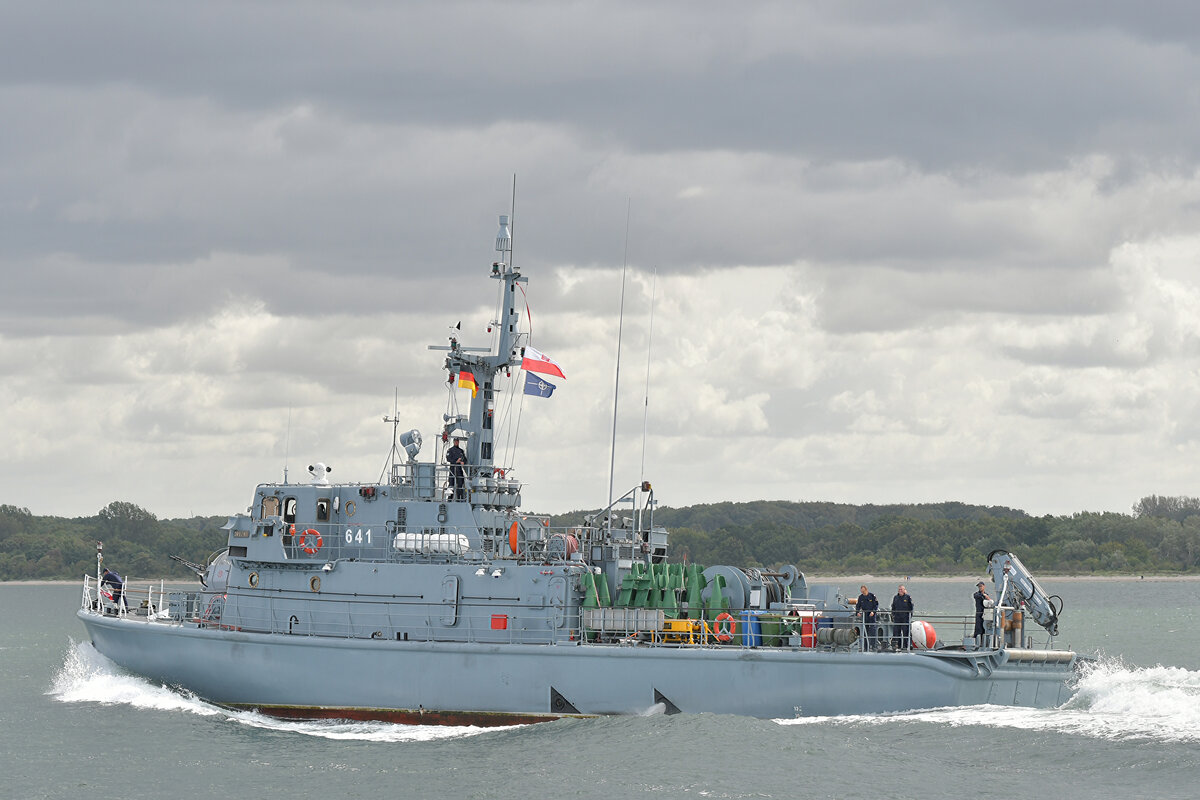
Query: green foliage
x=1162 y=536
x=1176 y=508
x=946 y=538
x=135 y=543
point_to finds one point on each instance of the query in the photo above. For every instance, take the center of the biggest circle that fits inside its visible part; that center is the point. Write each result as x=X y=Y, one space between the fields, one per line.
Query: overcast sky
x=902 y=252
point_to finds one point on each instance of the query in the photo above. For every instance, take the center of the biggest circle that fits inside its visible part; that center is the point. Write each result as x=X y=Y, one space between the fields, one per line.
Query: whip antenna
x=612 y=462
x=646 y=399
x=287 y=445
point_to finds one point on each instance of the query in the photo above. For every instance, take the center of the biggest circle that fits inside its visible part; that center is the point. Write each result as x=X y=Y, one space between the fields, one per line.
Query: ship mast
x=483 y=364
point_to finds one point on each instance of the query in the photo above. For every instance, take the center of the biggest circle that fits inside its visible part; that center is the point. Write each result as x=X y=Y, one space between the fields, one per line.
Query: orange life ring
x=311 y=549
x=724 y=634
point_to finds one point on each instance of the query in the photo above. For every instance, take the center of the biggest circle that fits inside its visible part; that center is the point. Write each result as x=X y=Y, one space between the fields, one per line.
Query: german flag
x=467 y=381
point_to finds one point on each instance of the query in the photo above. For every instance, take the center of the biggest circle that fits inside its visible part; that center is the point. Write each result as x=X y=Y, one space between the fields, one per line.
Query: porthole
x=253 y=580
x=314 y=583
x=349 y=508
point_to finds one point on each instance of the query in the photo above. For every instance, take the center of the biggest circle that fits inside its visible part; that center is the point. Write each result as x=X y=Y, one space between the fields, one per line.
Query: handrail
x=410 y=619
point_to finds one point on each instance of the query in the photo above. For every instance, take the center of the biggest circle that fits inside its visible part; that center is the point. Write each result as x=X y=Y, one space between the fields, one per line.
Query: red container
x=499 y=622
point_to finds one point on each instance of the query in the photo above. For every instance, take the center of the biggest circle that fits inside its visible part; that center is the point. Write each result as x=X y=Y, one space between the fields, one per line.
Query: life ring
x=497 y=473
x=725 y=633
x=312 y=548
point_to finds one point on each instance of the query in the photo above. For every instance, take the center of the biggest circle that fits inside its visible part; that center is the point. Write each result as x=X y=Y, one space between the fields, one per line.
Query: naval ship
x=428 y=597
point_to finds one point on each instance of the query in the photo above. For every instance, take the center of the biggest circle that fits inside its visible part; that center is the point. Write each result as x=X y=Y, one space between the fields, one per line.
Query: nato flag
x=537 y=385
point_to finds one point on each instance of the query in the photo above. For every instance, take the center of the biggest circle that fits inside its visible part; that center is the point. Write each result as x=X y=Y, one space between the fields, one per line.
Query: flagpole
x=612 y=462
x=510 y=446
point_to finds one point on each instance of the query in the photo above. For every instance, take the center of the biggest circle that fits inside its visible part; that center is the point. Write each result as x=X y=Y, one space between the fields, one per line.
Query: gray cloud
x=902 y=254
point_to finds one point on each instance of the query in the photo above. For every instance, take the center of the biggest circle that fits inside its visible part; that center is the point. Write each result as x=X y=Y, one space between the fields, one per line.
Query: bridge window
x=289 y=510
x=323 y=509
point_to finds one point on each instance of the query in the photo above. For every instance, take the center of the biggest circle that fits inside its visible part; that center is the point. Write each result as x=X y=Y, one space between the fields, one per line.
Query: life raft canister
x=306 y=546
x=725 y=626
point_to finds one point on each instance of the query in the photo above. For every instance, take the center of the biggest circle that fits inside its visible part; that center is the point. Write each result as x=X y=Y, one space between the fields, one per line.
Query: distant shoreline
x=858 y=579
x=971 y=579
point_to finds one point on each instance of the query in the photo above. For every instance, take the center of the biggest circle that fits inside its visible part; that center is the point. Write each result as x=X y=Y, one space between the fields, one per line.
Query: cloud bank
x=939 y=252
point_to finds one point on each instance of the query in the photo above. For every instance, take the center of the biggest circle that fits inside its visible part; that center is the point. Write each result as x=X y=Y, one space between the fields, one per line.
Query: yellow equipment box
x=679 y=630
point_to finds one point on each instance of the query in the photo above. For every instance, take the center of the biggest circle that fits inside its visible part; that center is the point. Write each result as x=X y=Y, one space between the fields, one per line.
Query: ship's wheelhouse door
x=558 y=600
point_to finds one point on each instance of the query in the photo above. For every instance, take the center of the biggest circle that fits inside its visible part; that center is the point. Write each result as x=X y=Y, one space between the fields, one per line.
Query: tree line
x=1161 y=535
x=136 y=542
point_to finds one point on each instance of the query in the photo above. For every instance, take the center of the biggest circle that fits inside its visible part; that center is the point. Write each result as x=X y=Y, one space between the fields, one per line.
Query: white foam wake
x=88 y=677
x=1111 y=701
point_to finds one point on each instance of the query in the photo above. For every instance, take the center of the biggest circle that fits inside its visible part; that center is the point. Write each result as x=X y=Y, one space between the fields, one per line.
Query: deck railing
x=413 y=619
x=137 y=600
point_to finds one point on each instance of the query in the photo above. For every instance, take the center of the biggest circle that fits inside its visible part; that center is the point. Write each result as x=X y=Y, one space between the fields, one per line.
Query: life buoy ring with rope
x=306 y=546
x=497 y=473
x=725 y=631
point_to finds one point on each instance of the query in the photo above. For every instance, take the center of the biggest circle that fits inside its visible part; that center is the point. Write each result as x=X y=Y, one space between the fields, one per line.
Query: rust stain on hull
x=405 y=716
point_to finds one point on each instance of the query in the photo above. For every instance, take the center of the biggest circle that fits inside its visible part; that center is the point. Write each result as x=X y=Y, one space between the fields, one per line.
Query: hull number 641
x=358 y=537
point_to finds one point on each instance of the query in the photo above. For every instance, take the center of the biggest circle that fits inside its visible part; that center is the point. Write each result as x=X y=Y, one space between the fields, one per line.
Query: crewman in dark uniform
x=980 y=597
x=114 y=583
x=867 y=605
x=456 y=458
x=902 y=608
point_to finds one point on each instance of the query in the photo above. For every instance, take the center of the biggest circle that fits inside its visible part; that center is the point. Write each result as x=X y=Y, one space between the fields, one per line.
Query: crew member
x=114 y=583
x=867 y=605
x=902 y=607
x=456 y=458
x=981 y=597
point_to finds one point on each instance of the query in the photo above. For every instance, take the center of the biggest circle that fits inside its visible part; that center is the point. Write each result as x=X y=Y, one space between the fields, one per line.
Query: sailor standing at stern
x=867 y=605
x=981 y=600
x=902 y=608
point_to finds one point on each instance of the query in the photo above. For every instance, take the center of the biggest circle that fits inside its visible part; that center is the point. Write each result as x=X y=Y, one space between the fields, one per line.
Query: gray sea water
x=72 y=725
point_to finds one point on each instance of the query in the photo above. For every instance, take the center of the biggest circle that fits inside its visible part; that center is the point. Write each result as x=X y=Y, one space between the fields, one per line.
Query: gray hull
x=497 y=683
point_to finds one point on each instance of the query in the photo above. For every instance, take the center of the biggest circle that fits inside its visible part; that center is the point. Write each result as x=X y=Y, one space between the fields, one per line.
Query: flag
x=538 y=386
x=467 y=381
x=533 y=361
